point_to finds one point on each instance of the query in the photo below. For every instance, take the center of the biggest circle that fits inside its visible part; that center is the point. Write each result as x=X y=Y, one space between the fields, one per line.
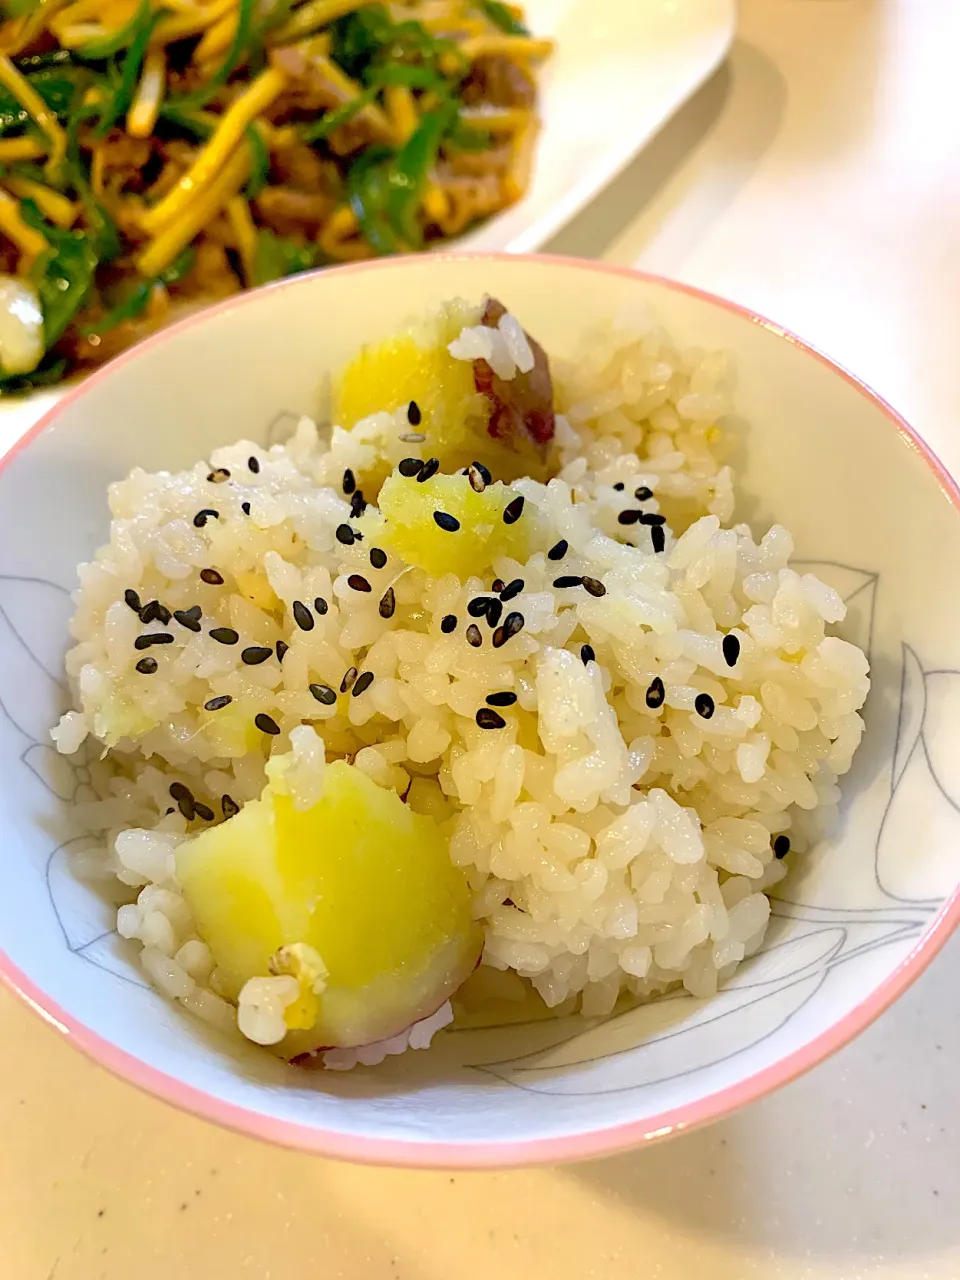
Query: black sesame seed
x=218 y=475
x=704 y=705
x=652 y=518
x=230 y=807
x=505 y=699
x=378 y=557
x=414 y=416
x=513 y=510
x=629 y=517
x=448 y=623
x=266 y=724
x=477 y=607
x=345 y=535
x=323 y=693
x=513 y=623
x=224 y=635
x=656 y=693
x=188 y=618
x=358 y=505
x=245 y=508
x=497 y=585
x=358 y=582
x=410 y=467
x=781 y=846
x=163 y=614
x=253 y=464
x=568 y=580
x=349 y=482
x=500 y=638
x=388 y=603
x=494 y=610
x=619 y=486
x=156 y=637
x=444 y=521
x=364 y=682
x=511 y=589
x=169 y=811
x=587 y=654
x=302 y=616
x=477 y=482
x=658 y=539
x=151 y=612
x=346 y=684
x=558 y=550
x=131 y=598
x=731 y=650
x=180 y=792
x=203 y=811
x=254 y=654
x=187 y=807
x=201 y=518
x=643 y=494
x=320 y=606
x=147 y=666
x=429 y=468
x=487 y=718
x=282 y=650
x=474 y=637
x=211 y=577
x=594 y=586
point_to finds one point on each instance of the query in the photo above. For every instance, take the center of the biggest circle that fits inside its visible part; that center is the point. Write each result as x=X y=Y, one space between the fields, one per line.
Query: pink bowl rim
x=606 y=1141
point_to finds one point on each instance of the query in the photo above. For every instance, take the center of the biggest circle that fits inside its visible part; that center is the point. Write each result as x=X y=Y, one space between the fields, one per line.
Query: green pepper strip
x=136 y=301
x=367 y=190
x=334 y=119
x=241 y=38
x=501 y=17
x=118 y=104
x=410 y=170
x=107 y=46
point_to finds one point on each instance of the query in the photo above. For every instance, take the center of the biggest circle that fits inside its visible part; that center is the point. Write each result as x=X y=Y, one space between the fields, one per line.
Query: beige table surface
x=817 y=179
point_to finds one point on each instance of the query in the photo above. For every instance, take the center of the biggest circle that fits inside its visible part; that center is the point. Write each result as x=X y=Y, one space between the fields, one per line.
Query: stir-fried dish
x=154 y=151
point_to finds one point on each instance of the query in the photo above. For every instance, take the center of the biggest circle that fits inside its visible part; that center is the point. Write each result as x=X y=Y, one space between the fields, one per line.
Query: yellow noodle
x=145 y=108
x=238 y=212
x=517 y=47
x=27 y=239
x=42 y=116
x=216 y=39
x=189 y=23
x=496 y=119
x=19 y=34
x=338 y=239
x=242 y=111
x=312 y=15
x=162 y=250
x=435 y=203
x=401 y=109
x=348 y=90
x=517 y=178
x=21 y=149
x=56 y=207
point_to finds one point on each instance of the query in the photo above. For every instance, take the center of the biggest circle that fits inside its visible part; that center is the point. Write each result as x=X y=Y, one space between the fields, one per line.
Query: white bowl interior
x=866 y=511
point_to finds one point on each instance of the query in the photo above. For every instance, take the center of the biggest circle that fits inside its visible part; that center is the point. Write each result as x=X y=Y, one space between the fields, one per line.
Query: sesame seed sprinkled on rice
x=731 y=649
x=448 y=623
x=282 y=650
x=349 y=482
x=643 y=494
x=505 y=699
x=349 y=676
x=224 y=635
x=203 y=811
x=513 y=623
x=487 y=718
x=218 y=475
x=358 y=582
x=513 y=510
x=156 y=637
x=208 y=513
x=447 y=522
x=217 y=704
x=658 y=539
x=266 y=724
x=704 y=705
x=345 y=535
x=254 y=464
x=255 y=654
x=410 y=467
x=188 y=618
x=363 y=683
x=568 y=580
x=494 y=612
x=147 y=666
x=211 y=577
x=594 y=586
x=132 y=599
x=320 y=606
x=229 y=807
x=587 y=654
x=655 y=693
x=323 y=693
x=388 y=603
x=628 y=517
x=302 y=616
x=429 y=468
x=511 y=590
x=474 y=638
x=558 y=550
x=378 y=557
x=245 y=508
x=414 y=416
x=781 y=846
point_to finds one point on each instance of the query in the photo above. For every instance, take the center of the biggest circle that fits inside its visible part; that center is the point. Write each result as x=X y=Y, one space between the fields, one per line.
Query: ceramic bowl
x=857 y=920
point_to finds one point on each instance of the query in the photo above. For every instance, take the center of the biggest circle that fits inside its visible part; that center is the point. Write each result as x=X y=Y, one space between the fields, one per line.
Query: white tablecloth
x=816 y=179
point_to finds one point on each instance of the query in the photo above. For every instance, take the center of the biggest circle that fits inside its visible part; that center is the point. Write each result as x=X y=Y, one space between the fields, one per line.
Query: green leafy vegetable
x=57 y=86
x=367 y=43
x=186 y=119
x=48 y=372
x=408 y=174
x=501 y=16
x=63 y=275
x=277 y=257
x=18 y=8
x=135 y=303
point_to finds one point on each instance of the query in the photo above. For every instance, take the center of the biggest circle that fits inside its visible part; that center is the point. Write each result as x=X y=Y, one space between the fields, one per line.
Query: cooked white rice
x=632 y=847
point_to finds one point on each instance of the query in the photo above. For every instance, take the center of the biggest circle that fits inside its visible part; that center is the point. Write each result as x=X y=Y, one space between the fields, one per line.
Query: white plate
x=621 y=69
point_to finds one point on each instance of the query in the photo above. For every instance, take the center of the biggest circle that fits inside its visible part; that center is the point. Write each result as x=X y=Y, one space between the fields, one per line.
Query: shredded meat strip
x=525 y=403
